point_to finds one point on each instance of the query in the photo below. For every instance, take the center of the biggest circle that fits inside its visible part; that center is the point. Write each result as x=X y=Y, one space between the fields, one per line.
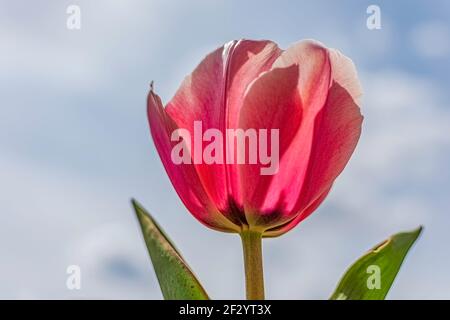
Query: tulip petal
x=278 y=231
x=213 y=94
x=272 y=102
x=192 y=194
x=337 y=129
x=272 y=198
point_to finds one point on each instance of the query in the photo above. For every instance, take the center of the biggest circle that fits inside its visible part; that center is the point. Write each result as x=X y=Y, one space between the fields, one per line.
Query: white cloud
x=114 y=263
x=51 y=219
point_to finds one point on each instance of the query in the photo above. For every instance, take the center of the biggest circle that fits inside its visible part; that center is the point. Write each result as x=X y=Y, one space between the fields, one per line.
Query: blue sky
x=75 y=145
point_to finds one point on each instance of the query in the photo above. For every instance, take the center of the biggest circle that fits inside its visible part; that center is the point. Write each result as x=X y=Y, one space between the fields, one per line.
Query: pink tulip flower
x=308 y=92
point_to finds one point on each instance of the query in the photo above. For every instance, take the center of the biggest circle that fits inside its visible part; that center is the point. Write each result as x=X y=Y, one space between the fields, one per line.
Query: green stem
x=254 y=278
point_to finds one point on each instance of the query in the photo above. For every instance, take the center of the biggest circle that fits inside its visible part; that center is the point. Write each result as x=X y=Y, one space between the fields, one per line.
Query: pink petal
x=278 y=231
x=213 y=94
x=287 y=98
x=183 y=176
x=337 y=129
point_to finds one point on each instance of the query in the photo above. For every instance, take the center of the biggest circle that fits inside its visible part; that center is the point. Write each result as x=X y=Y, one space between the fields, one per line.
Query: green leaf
x=371 y=277
x=175 y=278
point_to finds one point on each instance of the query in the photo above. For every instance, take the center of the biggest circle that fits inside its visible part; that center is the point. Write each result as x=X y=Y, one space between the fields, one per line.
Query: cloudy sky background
x=75 y=145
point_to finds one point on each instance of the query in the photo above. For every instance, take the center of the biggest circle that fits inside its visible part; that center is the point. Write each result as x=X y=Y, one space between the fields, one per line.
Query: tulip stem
x=254 y=277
